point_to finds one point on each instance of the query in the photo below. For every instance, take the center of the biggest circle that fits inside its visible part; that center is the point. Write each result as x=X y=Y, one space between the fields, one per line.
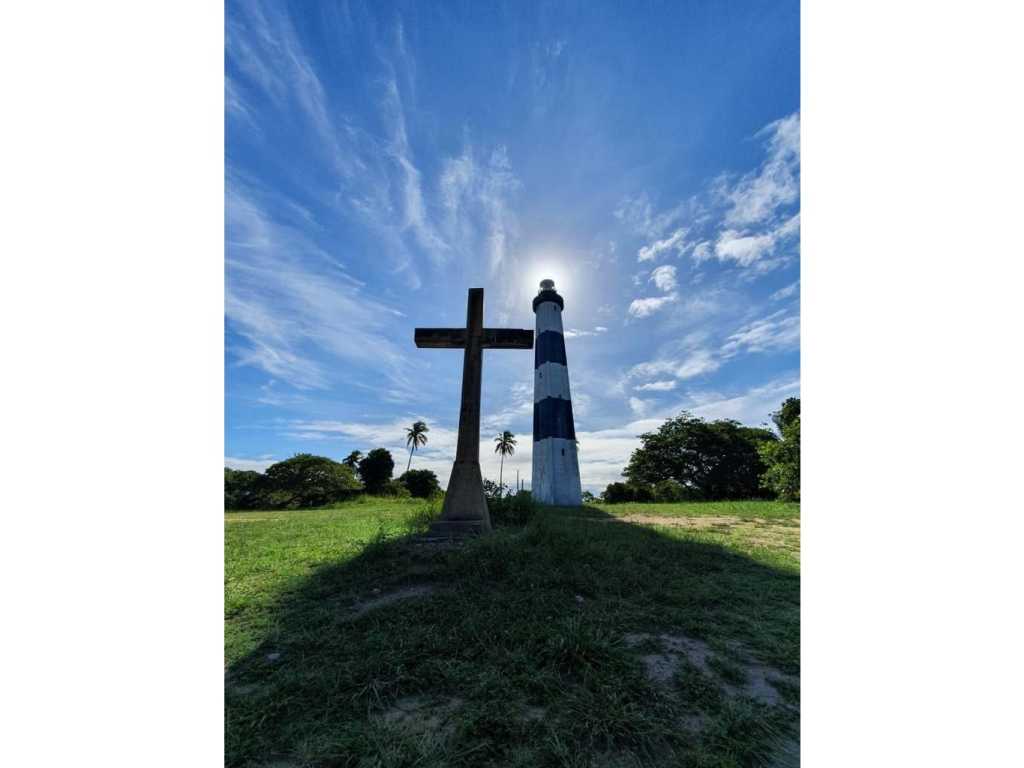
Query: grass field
x=625 y=635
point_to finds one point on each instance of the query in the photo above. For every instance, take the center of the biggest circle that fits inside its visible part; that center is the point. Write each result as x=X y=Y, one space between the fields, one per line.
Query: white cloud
x=702 y=251
x=743 y=249
x=638 y=406
x=696 y=363
x=653 y=368
x=676 y=241
x=645 y=307
x=699 y=362
x=789 y=228
x=665 y=278
x=752 y=408
x=657 y=386
x=786 y=292
x=757 y=195
x=746 y=219
x=517 y=407
x=637 y=214
x=573 y=333
x=776 y=331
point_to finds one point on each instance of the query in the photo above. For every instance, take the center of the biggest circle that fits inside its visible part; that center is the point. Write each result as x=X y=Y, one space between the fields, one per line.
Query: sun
x=547 y=268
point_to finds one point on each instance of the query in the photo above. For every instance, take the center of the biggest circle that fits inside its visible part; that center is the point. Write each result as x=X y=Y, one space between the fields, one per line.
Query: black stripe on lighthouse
x=552 y=417
x=549 y=347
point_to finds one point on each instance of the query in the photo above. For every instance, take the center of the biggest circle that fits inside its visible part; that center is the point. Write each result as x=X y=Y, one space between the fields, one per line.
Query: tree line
x=685 y=459
x=306 y=480
x=690 y=459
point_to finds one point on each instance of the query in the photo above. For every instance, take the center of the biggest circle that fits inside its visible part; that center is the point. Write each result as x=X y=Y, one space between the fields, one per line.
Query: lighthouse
x=556 y=466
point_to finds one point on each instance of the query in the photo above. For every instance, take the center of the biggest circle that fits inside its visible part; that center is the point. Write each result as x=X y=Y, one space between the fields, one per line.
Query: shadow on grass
x=512 y=650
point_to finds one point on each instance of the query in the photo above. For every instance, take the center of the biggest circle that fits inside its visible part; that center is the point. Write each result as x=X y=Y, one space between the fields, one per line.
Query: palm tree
x=506 y=446
x=416 y=435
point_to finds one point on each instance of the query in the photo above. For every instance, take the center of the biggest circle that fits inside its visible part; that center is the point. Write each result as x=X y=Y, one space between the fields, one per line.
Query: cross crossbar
x=491 y=338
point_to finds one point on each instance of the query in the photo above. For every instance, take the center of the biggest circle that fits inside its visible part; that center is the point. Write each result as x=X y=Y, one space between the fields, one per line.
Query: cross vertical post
x=465 y=506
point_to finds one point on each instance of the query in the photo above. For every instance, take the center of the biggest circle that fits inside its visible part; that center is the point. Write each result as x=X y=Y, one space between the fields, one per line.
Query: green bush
x=515 y=509
x=395 y=489
x=616 y=493
x=670 y=490
x=782 y=458
x=421 y=483
x=305 y=480
x=243 y=489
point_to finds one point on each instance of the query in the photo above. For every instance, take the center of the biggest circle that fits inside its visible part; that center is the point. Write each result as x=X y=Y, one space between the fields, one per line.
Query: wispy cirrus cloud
x=785 y=292
x=694 y=364
x=756 y=196
x=657 y=386
x=674 y=242
x=777 y=331
x=479 y=199
x=573 y=333
x=290 y=302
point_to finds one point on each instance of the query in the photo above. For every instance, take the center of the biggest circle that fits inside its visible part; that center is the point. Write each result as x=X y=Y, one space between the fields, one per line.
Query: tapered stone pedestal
x=465 y=510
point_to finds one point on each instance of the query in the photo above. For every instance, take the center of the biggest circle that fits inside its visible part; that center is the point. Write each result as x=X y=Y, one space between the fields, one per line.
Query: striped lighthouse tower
x=556 y=467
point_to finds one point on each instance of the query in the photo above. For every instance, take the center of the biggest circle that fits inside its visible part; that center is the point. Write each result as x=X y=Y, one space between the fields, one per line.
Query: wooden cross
x=465 y=508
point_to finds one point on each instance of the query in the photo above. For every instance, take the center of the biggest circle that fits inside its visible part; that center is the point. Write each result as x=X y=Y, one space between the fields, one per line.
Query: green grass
x=514 y=649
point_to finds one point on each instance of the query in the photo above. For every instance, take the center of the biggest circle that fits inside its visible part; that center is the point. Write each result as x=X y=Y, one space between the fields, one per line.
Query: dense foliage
x=242 y=489
x=421 y=483
x=782 y=458
x=690 y=459
x=376 y=469
x=713 y=460
x=303 y=480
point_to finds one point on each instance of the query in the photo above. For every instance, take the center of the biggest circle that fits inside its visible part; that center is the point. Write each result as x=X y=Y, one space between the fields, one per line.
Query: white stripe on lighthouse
x=550 y=380
x=556 y=472
x=549 y=318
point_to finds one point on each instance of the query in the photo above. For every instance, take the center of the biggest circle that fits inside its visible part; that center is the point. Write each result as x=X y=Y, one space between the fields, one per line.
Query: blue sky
x=383 y=158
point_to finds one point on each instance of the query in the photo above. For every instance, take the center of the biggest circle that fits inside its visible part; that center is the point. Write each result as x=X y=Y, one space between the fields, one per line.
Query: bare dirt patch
x=423 y=714
x=379 y=601
x=671 y=522
x=759 y=681
x=531 y=713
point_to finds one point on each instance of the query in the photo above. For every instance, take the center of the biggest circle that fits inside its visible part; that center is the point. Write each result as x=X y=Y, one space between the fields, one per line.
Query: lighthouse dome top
x=547 y=293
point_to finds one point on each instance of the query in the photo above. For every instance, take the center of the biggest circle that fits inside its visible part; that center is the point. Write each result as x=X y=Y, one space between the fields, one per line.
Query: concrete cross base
x=465 y=506
x=442 y=530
